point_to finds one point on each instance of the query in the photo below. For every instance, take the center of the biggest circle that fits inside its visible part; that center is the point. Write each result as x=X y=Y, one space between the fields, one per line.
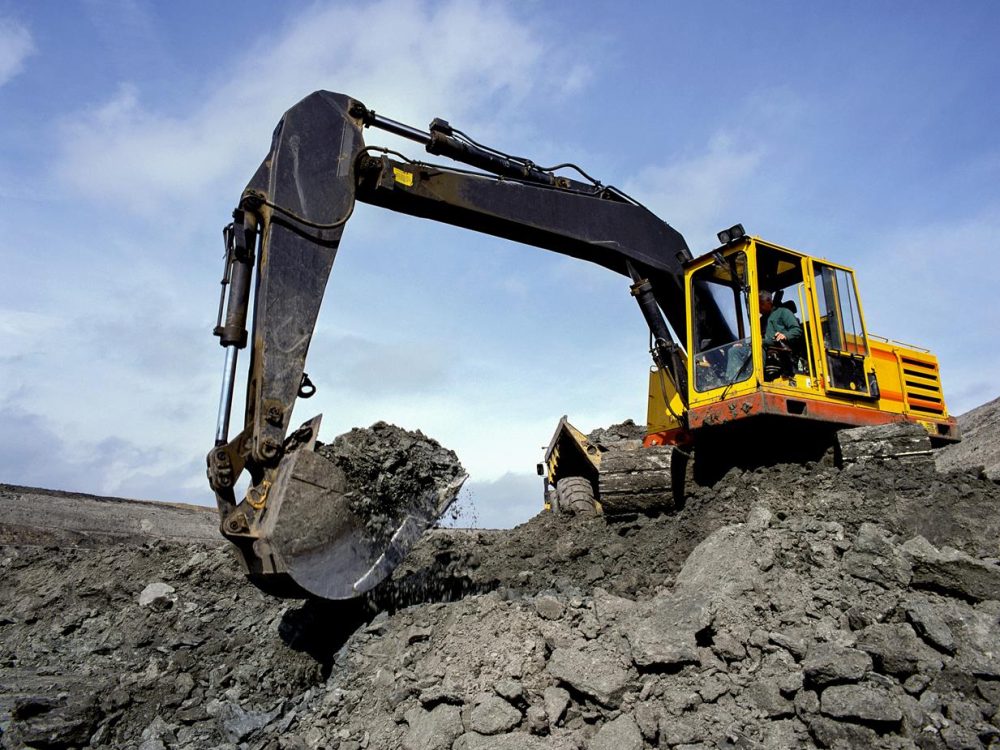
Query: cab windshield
x=722 y=353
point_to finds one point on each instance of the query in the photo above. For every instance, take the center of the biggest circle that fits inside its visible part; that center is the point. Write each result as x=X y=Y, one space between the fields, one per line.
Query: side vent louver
x=922 y=387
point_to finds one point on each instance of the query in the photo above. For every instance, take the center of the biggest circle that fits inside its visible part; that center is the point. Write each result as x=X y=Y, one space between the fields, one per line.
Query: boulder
x=157 y=596
x=594 y=672
x=951 y=571
x=556 y=701
x=512 y=741
x=864 y=703
x=896 y=649
x=621 y=734
x=828 y=664
x=663 y=632
x=432 y=730
x=874 y=557
x=548 y=607
x=493 y=716
x=929 y=625
x=765 y=694
x=52 y=722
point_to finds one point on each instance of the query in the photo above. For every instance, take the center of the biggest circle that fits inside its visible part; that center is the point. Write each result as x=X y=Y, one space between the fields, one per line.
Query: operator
x=780 y=325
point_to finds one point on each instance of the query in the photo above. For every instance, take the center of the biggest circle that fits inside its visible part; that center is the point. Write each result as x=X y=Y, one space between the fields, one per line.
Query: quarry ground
x=790 y=606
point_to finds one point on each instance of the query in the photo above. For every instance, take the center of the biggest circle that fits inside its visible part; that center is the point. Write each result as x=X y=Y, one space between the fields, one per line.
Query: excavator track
x=901 y=441
x=636 y=480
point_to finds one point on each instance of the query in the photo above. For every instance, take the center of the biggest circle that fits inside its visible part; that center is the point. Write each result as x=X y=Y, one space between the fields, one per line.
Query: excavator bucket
x=312 y=534
x=306 y=530
x=311 y=537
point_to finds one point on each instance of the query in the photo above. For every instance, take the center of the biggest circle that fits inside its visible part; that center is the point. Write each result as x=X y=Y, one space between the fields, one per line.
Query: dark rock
x=896 y=649
x=417 y=634
x=828 y=664
x=432 y=697
x=930 y=626
x=52 y=722
x=952 y=572
x=863 y=703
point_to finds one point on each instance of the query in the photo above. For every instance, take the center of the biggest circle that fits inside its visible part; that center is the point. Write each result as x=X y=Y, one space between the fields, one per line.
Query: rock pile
x=791 y=606
x=981 y=442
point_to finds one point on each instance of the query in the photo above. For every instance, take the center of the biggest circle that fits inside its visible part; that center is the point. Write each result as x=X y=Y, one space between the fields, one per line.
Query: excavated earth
x=789 y=606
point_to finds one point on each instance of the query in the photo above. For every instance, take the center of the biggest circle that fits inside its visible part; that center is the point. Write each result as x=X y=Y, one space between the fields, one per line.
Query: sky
x=862 y=132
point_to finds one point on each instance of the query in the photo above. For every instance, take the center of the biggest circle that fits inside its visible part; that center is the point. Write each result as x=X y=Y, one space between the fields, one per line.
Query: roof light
x=735 y=232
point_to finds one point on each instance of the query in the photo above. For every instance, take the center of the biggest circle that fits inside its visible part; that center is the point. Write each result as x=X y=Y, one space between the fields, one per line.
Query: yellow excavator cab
x=833 y=371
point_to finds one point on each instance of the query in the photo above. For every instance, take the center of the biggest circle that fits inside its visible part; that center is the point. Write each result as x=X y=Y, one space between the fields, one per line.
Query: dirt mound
x=790 y=606
x=980 y=446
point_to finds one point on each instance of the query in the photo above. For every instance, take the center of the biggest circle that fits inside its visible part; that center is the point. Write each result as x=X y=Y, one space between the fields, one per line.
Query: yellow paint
x=885 y=358
x=403 y=178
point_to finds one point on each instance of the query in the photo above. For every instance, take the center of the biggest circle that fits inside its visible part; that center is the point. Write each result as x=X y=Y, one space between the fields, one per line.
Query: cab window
x=722 y=353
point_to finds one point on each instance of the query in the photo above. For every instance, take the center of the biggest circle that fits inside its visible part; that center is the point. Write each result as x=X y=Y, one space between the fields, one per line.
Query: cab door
x=838 y=331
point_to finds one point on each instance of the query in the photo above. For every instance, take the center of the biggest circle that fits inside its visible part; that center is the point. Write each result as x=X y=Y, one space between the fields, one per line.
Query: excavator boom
x=293 y=528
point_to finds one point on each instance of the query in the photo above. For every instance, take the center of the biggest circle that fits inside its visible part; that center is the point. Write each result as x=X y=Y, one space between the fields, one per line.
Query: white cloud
x=701 y=190
x=468 y=61
x=24 y=327
x=16 y=45
x=500 y=504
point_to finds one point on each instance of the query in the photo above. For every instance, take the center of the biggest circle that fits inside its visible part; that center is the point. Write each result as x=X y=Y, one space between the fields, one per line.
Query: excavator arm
x=293 y=528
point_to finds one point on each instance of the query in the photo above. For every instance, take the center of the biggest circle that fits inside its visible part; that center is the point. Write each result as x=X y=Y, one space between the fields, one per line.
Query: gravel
x=789 y=606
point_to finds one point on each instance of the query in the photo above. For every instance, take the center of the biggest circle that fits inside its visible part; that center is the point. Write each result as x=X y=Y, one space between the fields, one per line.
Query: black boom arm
x=296 y=206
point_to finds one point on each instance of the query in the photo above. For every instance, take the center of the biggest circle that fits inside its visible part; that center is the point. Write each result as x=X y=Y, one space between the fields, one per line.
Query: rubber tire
x=576 y=496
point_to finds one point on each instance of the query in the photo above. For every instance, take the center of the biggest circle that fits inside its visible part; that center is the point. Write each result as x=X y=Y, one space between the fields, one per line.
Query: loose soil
x=789 y=606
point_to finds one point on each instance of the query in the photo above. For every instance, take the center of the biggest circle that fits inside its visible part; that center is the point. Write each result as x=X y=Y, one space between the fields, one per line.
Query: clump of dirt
x=616 y=433
x=391 y=472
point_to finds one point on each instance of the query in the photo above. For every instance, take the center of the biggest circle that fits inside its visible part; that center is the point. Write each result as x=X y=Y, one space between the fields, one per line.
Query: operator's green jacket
x=781 y=320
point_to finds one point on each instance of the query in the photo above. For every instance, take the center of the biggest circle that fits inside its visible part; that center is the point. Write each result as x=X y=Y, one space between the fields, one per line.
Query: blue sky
x=862 y=132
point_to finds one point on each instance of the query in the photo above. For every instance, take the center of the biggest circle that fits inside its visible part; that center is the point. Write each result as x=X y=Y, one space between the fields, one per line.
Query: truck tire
x=576 y=496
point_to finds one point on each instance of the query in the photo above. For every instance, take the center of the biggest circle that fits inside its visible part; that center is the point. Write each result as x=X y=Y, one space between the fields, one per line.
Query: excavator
x=717 y=390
